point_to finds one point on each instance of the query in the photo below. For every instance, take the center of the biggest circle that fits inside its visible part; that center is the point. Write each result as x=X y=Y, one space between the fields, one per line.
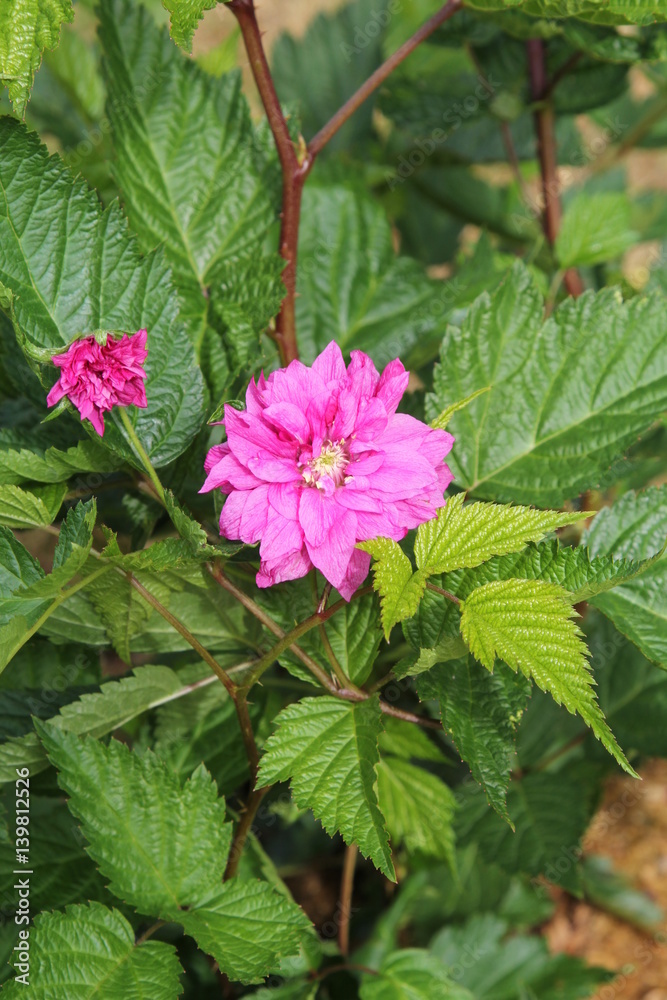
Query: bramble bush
x=281 y=624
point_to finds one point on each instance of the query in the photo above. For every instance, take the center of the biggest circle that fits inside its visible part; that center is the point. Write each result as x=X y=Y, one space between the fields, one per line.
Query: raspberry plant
x=205 y=726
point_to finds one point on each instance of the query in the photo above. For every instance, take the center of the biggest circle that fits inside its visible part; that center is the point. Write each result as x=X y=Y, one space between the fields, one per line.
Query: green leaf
x=355 y=637
x=551 y=813
x=367 y=298
x=206 y=210
x=329 y=750
x=160 y=851
x=96 y=715
x=597 y=11
x=185 y=15
x=513 y=966
x=529 y=624
x=411 y=974
x=480 y=712
x=17 y=567
x=571 y=420
x=636 y=528
x=117 y=290
x=613 y=892
x=465 y=536
x=596 y=227
x=72 y=549
x=448 y=648
x=27 y=27
x=418 y=807
x=89 y=951
x=247 y=927
x=407 y=741
x=52 y=465
x=22 y=509
x=399 y=588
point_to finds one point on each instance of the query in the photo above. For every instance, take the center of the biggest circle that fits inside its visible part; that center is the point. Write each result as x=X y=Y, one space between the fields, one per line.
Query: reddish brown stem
x=346 y=890
x=547 y=153
x=294 y=173
x=379 y=76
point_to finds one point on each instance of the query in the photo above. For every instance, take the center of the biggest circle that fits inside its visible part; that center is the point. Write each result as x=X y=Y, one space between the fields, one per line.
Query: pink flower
x=320 y=460
x=96 y=377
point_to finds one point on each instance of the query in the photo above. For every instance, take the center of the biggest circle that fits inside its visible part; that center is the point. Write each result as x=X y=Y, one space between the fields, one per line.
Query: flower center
x=328 y=469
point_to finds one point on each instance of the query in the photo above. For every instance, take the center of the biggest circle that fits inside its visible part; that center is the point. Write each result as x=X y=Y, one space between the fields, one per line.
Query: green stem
x=142 y=454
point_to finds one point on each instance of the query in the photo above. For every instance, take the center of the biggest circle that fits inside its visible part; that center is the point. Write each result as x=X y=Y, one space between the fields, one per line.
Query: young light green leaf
x=30 y=509
x=328 y=748
x=465 y=536
x=480 y=712
x=448 y=648
x=89 y=951
x=409 y=742
x=185 y=15
x=399 y=588
x=27 y=27
x=572 y=420
x=96 y=715
x=418 y=807
x=442 y=420
x=162 y=845
x=529 y=624
x=411 y=974
x=596 y=227
x=635 y=528
x=117 y=290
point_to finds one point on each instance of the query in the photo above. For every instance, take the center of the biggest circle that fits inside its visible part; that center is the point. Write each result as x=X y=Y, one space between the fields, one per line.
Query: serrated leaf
x=89 y=951
x=411 y=974
x=551 y=813
x=596 y=227
x=18 y=568
x=247 y=927
x=185 y=15
x=328 y=749
x=209 y=209
x=30 y=509
x=54 y=300
x=366 y=298
x=399 y=588
x=448 y=648
x=549 y=427
x=72 y=549
x=480 y=712
x=418 y=807
x=596 y=11
x=27 y=27
x=635 y=528
x=96 y=715
x=513 y=966
x=52 y=465
x=529 y=624
x=407 y=741
x=465 y=536
x=162 y=845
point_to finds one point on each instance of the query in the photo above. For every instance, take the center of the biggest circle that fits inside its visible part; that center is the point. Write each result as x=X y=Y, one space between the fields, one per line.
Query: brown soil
x=631 y=830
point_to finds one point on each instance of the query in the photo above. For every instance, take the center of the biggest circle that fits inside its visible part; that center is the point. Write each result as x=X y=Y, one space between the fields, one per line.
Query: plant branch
x=547 y=153
x=142 y=454
x=243 y=829
x=443 y=593
x=346 y=890
x=320 y=140
x=294 y=172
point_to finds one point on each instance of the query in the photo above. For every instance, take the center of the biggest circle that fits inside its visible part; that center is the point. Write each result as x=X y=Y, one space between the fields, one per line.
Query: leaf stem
x=545 y=128
x=377 y=78
x=242 y=831
x=346 y=890
x=142 y=454
x=443 y=593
